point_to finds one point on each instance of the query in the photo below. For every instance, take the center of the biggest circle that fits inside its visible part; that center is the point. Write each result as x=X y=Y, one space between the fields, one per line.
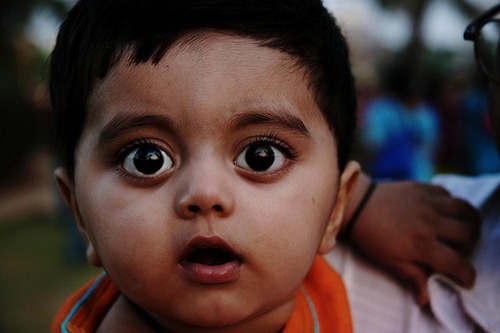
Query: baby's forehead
x=211 y=51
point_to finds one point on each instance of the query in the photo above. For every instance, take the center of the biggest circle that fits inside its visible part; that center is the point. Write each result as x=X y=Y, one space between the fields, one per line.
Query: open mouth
x=210 y=260
x=210 y=256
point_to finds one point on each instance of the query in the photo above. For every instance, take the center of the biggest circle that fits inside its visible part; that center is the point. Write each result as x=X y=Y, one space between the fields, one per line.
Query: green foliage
x=22 y=122
x=35 y=277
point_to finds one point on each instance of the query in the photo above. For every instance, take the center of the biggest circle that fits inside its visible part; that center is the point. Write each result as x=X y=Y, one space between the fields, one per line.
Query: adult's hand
x=415 y=229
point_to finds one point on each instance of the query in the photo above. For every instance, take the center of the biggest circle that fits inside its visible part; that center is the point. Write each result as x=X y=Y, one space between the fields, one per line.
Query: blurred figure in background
x=424 y=124
x=399 y=130
x=446 y=94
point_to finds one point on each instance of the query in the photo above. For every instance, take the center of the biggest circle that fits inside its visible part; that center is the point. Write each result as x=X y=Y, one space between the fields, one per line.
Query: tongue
x=210 y=257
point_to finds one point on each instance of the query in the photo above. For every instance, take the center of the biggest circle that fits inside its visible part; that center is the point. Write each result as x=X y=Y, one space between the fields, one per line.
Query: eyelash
x=131 y=145
x=272 y=139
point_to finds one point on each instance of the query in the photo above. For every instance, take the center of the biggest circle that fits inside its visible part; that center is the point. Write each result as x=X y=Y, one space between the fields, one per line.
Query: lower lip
x=212 y=274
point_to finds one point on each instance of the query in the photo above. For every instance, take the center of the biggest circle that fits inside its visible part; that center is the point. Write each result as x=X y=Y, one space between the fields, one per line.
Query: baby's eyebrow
x=281 y=119
x=123 y=124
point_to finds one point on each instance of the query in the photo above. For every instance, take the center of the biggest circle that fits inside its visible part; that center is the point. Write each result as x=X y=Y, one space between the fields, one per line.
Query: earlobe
x=347 y=184
x=67 y=189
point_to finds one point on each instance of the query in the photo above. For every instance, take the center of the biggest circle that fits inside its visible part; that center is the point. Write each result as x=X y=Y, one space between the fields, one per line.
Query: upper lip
x=208 y=242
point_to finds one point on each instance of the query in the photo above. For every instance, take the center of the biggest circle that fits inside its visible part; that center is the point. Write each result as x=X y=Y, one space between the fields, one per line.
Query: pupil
x=148 y=160
x=259 y=158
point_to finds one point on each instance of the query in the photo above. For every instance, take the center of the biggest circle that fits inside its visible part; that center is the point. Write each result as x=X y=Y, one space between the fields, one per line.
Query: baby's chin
x=233 y=318
x=210 y=321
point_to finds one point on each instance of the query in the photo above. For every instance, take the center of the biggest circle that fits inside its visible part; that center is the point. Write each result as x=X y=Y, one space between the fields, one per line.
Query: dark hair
x=96 y=33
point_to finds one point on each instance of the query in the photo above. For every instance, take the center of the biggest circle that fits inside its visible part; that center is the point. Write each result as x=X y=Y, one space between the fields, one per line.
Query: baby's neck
x=123 y=317
x=126 y=317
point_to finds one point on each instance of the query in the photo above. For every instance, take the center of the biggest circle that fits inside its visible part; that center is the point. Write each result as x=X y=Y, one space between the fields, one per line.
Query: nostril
x=198 y=209
x=194 y=208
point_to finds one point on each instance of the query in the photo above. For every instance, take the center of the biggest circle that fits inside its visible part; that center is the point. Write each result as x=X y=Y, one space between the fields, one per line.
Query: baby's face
x=205 y=183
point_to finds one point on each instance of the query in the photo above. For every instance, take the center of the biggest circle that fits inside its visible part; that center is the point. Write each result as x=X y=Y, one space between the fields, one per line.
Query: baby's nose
x=205 y=191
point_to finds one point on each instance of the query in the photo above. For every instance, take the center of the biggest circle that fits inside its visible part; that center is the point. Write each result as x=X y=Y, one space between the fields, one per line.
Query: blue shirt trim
x=313 y=311
x=80 y=302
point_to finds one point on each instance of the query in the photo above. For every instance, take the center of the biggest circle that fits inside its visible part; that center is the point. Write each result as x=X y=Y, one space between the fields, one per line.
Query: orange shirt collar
x=321 y=304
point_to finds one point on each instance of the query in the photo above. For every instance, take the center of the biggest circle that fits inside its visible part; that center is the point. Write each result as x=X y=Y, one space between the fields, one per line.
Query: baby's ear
x=67 y=189
x=347 y=184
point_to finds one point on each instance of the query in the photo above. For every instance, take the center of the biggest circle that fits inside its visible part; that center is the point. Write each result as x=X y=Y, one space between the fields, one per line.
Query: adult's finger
x=459 y=235
x=458 y=209
x=445 y=260
x=414 y=277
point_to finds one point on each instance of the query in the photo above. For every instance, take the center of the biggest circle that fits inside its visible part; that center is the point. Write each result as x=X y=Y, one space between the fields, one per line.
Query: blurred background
x=422 y=110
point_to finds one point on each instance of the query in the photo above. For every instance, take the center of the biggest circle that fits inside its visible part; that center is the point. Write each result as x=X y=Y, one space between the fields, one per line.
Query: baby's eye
x=260 y=157
x=147 y=161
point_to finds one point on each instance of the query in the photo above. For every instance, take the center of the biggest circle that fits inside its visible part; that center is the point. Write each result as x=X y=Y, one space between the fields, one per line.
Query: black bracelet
x=350 y=224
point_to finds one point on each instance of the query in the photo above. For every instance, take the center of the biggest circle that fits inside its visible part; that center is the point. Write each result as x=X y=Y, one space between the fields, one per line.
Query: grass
x=35 y=275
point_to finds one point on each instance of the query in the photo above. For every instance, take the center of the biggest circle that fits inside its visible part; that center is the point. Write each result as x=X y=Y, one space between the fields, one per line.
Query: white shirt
x=380 y=304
